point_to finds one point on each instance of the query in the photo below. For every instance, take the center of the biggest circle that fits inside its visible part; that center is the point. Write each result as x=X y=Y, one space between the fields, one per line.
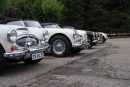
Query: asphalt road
x=107 y=67
x=17 y=74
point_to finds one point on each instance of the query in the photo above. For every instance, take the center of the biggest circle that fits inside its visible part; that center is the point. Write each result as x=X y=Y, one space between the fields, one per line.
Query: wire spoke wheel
x=58 y=46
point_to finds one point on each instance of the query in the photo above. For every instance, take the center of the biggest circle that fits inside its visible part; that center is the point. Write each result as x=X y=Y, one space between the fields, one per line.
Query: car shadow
x=20 y=67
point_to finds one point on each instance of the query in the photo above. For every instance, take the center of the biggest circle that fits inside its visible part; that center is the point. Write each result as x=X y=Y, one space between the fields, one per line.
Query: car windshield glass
x=51 y=26
x=57 y=26
x=32 y=24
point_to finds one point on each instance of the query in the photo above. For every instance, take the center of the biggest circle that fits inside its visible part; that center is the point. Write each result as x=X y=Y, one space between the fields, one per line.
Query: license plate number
x=36 y=56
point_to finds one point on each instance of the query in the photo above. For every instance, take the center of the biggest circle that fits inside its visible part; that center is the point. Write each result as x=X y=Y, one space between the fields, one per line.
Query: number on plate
x=36 y=56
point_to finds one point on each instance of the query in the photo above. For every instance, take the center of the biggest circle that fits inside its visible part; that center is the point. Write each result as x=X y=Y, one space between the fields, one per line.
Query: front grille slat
x=24 y=40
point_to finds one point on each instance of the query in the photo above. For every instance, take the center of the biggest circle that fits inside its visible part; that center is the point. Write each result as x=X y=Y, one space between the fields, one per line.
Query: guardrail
x=117 y=35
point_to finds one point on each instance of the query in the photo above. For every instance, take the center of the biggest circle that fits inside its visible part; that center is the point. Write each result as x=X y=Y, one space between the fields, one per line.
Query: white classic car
x=80 y=32
x=19 y=44
x=103 y=37
x=60 y=40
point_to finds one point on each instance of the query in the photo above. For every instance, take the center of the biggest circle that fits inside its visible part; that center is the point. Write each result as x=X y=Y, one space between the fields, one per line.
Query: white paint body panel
x=3 y=35
x=105 y=35
x=67 y=32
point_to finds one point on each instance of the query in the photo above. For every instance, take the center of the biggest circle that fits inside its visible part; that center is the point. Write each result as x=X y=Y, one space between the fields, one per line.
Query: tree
x=42 y=10
x=96 y=15
x=74 y=12
x=52 y=10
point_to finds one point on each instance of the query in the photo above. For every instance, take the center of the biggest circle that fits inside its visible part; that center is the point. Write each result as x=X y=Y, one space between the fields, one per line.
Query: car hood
x=60 y=30
x=81 y=32
x=38 y=32
x=6 y=28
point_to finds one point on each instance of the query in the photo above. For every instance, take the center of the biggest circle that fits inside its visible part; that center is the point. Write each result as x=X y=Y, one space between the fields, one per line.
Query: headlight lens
x=12 y=35
x=76 y=35
x=45 y=34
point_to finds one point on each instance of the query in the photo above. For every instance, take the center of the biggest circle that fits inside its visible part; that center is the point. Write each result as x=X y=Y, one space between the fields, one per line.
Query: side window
x=13 y=23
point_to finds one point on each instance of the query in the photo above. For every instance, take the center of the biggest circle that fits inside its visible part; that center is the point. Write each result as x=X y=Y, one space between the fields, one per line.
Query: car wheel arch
x=59 y=34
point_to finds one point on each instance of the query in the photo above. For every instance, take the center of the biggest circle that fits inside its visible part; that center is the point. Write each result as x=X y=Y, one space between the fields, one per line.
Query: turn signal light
x=13 y=47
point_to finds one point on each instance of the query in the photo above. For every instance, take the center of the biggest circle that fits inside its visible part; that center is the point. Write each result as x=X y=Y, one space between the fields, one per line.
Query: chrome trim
x=22 y=29
x=27 y=39
x=77 y=45
x=8 y=35
x=26 y=35
x=95 y=41
x=85 y=44
x=23 y=53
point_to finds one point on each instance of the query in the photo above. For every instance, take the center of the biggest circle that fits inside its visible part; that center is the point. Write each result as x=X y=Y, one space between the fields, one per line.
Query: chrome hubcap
x=58 y=46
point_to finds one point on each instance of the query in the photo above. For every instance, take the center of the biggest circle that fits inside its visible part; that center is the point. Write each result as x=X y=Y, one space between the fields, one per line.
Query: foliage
x=52 y=10
x=73 y=12
x=42 y=10
x=96 y=15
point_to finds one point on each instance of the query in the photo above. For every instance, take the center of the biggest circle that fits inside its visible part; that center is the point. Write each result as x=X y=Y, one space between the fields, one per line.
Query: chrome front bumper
x=85 y=44
x=23 y=53
x=77 y=45
x=95 y=41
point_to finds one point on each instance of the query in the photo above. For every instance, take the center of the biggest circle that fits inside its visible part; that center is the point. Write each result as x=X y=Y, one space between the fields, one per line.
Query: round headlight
x=12 y=35
x=45 y=34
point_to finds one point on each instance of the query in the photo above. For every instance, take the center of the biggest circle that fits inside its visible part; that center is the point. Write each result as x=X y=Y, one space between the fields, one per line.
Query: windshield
x=32 y=24
x=52 y=26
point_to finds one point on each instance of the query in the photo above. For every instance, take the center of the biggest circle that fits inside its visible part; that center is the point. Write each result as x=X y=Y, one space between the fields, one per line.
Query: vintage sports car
x=90 y=38
x=19 y=44
x=83 y=33
x=60 y=40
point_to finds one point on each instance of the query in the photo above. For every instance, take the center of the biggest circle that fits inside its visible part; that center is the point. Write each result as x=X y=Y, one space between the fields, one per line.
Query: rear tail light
x=97 y=35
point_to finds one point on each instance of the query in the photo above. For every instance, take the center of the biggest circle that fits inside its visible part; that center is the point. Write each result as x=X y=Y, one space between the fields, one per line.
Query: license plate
x=36 y=56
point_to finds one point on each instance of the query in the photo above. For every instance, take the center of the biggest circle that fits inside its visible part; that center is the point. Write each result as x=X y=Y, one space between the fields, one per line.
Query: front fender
x=5 y=44
x=3 y=36
x=68 y=34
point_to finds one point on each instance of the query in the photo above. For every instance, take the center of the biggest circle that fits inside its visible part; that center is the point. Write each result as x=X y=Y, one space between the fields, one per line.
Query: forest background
x=110 y=16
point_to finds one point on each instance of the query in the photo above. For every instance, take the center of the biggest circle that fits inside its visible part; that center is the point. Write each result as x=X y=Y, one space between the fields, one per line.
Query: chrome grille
x=23 y=41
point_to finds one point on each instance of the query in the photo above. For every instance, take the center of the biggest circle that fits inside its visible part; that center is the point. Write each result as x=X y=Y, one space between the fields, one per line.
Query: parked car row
x=28 y=40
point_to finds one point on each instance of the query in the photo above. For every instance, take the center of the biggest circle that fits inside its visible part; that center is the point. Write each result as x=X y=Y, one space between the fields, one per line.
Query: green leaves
x=97 y=15
x=42 y=10
x=52 y=10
